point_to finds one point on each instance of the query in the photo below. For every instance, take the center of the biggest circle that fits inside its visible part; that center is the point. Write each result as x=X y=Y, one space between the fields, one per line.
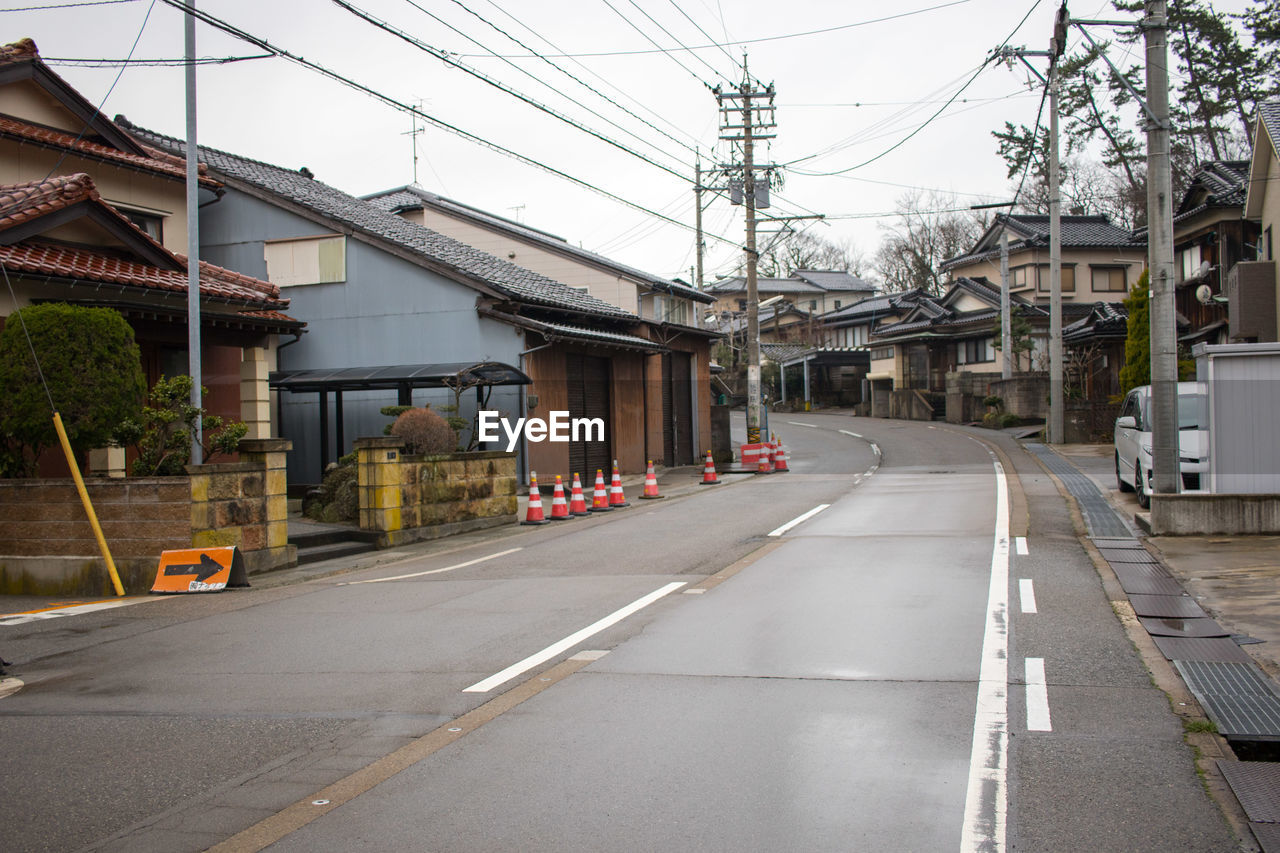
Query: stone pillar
x=107 y=462
x=378 y=479
x=269 y=455
x=255 y=393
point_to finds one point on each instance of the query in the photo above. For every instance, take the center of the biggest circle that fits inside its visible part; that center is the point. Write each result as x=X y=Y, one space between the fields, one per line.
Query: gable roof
x=430 y=249
x=833 y=280
x=934 y=316
x=101 y=139
x=413 y=198
x=1031 y=231
x=873 y=307
x=1266 y=146
x=29 y=210
x=1217 y=183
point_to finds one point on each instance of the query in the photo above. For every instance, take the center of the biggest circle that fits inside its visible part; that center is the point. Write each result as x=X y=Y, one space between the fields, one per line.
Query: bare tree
x=928 y=229
x=801 y=250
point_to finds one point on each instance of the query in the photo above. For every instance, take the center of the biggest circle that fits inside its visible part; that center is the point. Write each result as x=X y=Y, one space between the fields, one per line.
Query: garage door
x=677 y=410
x=587 y=378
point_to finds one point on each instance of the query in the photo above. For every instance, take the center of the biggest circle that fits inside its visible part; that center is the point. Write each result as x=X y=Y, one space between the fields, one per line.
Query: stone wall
x=965 y=393
x=412 y=498
x=245 y=504
x=47 y=546
x=1222 y=515
x=1025 y=395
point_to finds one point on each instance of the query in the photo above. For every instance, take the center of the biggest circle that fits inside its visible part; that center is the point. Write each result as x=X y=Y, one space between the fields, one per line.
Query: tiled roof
x=1104 y=320
x=516 y=282
x=18 y=51
x=873 y=306
x=1078 y=232
x=23 y=202
x=738 y=284
x=414 y=197
x=1269 y=115
x=833 y=280
x=1218 y=183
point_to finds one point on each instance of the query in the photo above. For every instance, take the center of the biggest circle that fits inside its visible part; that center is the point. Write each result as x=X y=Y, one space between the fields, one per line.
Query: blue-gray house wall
x=388 y=311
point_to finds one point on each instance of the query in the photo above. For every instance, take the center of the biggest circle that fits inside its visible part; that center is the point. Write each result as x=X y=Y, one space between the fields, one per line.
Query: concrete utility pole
x=749 y=97
x=1006 y=324
x=193 y=239
x=1057 y=421
x=697 y=214
x=1164 y=345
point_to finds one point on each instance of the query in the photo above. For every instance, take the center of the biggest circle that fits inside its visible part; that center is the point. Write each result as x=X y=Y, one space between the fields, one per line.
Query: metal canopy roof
x=398 y=376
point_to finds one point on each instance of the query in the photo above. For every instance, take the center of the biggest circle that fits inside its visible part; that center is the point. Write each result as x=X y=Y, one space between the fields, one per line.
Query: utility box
x=1251 y=301
x=1243 y=387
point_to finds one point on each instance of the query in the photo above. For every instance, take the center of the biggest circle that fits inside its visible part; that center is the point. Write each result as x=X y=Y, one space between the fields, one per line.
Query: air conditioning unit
x=1251 y=301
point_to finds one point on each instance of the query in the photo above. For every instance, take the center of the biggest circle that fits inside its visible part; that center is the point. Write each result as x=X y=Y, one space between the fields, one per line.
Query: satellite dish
x=1204 y=269
x=1204 y=294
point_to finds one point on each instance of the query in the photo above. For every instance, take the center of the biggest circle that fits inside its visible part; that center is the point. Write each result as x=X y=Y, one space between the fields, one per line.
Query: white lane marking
x=436 y=571
x=987 y=797
x=854 y=434
x=1027 y=595
x=797 y=423
x=572 y=640
x=876 y=448
x=793 y=522
x=1037 y=697
x=72 y=610
x=1020 y=544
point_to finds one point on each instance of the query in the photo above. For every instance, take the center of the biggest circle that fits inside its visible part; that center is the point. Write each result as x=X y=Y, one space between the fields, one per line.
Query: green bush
x=93 y=369
x=161 y=435
x=338 y=498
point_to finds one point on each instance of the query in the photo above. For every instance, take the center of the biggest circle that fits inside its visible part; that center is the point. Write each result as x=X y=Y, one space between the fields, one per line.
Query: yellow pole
x=88 y=506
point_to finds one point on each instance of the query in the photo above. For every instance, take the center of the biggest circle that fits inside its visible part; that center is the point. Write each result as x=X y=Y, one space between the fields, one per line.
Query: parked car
x=1133 y=440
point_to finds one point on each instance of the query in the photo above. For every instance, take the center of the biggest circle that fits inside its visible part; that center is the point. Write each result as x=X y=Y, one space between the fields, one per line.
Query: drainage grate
x=1166 y=606
x=1268 y=835
x=1236 y=696
x=1256 y=785
x=1135 y=584
x=1141 y=570
x=1201 y=649
x=1204 y=627
x=1099 y=517
x=1119 y=555
x=1127 y=543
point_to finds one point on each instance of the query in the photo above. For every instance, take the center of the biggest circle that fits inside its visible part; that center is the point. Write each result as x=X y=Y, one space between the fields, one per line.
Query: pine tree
x=1137 y=343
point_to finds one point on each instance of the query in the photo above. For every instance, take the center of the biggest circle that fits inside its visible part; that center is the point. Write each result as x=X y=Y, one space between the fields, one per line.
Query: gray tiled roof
x=1218 y=183
x=1269 y=115
x=1104 y=320
x=412 y=197
x=1032 y=230
x=833 y=280
x=764 y=284
x=516 y=282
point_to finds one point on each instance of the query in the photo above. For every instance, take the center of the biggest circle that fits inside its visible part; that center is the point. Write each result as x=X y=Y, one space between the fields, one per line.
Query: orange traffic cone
x=600 y=498
x=559 y=508
x=616 y=497
x=577 y=501
x=709 y=477
x=650 y=484
x=534 y=515
x=780 y=462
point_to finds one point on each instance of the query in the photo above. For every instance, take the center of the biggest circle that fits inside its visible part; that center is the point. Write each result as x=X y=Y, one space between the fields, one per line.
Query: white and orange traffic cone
x=780 y=462
x=534 y=514
x=709 y=477
x=616 y=497
x=600 y=497
x=577 y=500
x=650 y=484
x=559 y=507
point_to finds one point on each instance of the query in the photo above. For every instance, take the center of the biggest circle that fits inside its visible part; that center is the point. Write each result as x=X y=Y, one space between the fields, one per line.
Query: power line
x=66 y=5
x=263 y=44
x=70 y=61
x=571 y=76
x=444 y=57
x=763 y=39
x=666 y=51
x=681 y=10
x=677 y=41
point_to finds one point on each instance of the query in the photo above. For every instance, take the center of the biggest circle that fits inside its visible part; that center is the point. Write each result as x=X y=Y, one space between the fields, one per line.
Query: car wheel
x=1140 y=486
x=1124 y=487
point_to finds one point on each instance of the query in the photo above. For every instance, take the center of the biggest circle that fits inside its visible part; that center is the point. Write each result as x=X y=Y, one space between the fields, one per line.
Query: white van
x=1133 y=440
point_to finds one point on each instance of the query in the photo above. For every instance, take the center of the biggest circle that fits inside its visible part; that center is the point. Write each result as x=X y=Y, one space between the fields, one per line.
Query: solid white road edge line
x=854 y=434
x=797 y=423
x=793 y=522
x=1027 y=595
x=572 y=640
x=76 y=609
x=436 y=571
x=986 y=803
x=1037 y=697
x=1020 y=543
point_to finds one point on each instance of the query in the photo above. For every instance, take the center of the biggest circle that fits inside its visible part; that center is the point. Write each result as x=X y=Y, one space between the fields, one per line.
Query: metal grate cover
x=1127 y=555
x=1099 y=517
x=1147 y=585
x=1201 y=648
x=1139 y=570
x=1237 y=697
x=1128 y=543
x=1166 y=606
x=1256 y=785
x=1268 y=835
x=1203 y=627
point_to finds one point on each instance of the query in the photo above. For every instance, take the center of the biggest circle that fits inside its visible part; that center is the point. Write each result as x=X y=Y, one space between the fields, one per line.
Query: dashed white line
x=435 y=571
x=1037 y=697
x=854 y=434
x=1020 y=544
x=797 y=423
x=572 y=640
x=1027 y=595
x=793 y=522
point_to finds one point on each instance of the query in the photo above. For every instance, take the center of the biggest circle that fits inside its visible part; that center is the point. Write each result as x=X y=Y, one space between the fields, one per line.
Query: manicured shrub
x=425 y=432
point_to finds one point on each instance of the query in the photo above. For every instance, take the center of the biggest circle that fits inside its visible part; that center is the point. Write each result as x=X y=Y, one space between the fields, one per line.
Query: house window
x=975 y=352
x=310 y=260
x=1266 y=245
x=881 y=353
x=1018 y=277
x=742 y=305
x=837 y=308
x=1188 y=262
x=148 y=222
x=1068 y=278
x=1108 y=279
x=813 y=305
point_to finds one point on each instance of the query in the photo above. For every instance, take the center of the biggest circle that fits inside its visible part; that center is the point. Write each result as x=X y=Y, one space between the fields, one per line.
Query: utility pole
x=193 y=238
x=413 y=132
x=697 y=213
x=1057 y=45
x=1164 y=345
x=1006 y=324
x=749 y=104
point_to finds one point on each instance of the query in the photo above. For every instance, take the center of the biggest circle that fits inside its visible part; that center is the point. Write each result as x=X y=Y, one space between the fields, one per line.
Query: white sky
x=853 y=92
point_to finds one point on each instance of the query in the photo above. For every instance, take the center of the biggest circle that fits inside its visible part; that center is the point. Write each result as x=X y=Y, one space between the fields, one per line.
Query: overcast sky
x=853 y=79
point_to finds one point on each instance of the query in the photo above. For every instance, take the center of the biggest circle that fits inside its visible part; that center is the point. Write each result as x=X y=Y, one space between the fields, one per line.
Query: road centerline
x=1037 y=696
x=798 y=520
x=1027 y=595
x=436 y=571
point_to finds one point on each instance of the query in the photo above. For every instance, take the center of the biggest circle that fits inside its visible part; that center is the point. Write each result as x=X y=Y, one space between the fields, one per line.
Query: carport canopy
x=402 y=378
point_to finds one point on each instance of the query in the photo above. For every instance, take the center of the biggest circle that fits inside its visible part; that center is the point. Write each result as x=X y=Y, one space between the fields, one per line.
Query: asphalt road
x=838 y=686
